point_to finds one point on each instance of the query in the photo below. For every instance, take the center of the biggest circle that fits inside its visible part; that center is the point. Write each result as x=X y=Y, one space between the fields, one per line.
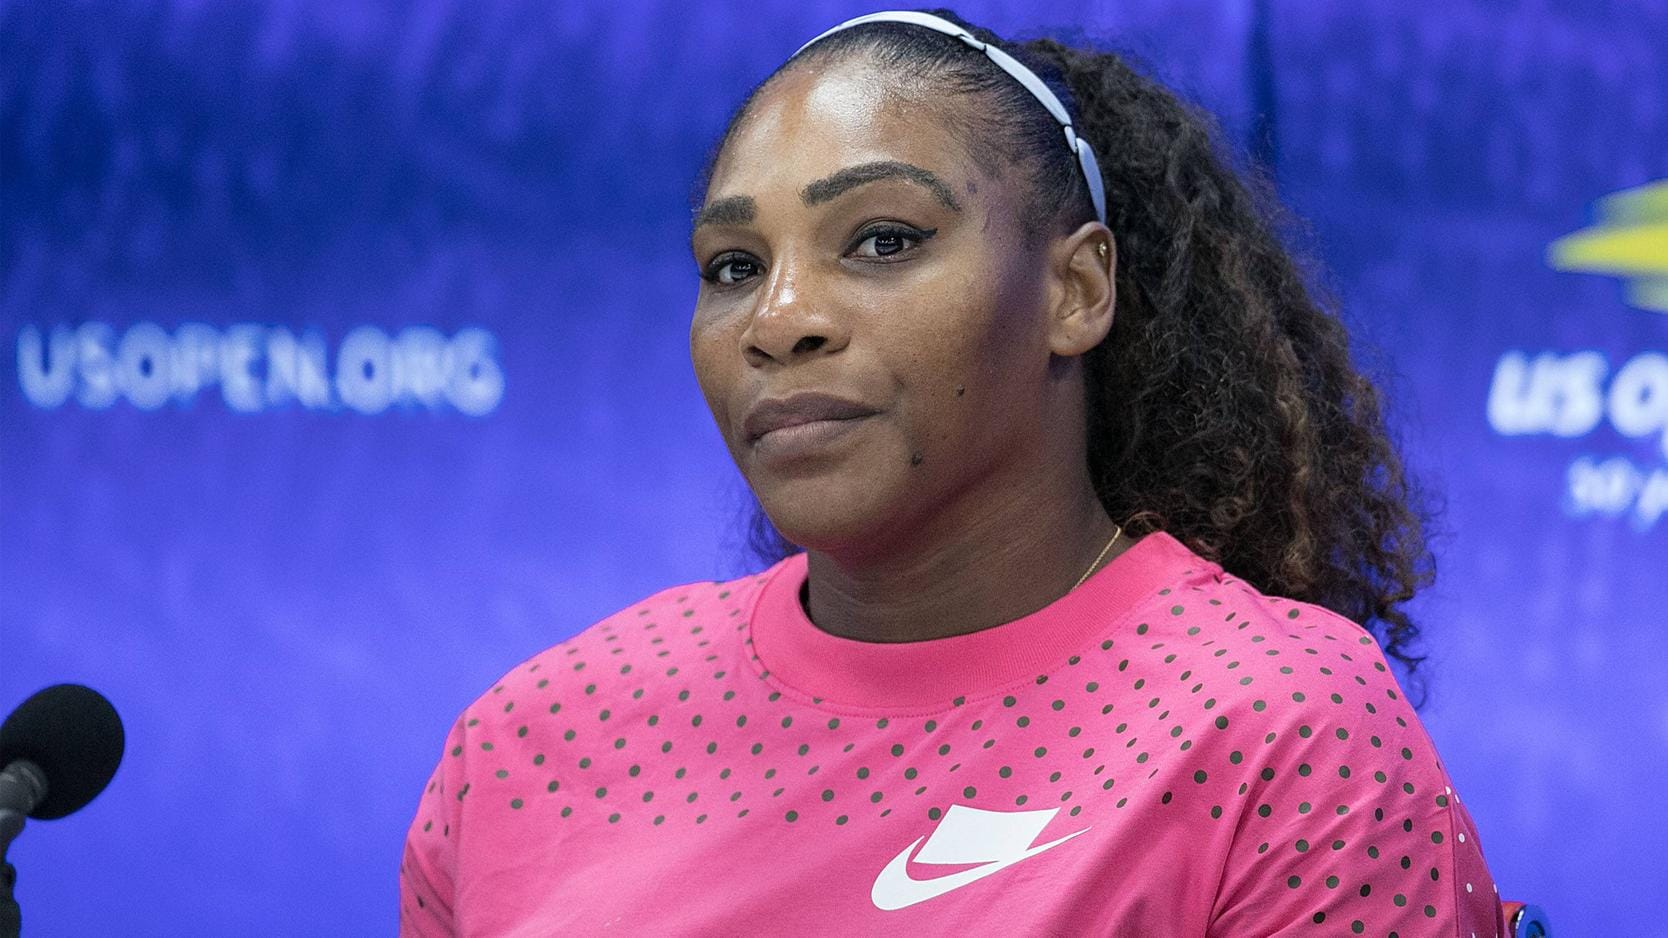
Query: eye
x=727 y=270
x=889 y=241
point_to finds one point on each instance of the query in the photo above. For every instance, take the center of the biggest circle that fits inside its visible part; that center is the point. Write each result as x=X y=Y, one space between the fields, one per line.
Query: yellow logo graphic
x=1629 y=240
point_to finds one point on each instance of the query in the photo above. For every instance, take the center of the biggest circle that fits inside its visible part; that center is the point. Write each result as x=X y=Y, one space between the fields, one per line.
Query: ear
x=1084 y=289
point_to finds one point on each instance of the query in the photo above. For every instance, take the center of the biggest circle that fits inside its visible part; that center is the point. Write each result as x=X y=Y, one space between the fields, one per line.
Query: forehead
x=815 y=119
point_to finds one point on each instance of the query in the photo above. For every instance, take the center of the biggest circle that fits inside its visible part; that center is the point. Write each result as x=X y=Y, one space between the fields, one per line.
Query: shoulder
x=1270 y=654
x=1287 y=679
x=1333 y=778
x=584 y=687
x=1303 y=707
x=628 y=652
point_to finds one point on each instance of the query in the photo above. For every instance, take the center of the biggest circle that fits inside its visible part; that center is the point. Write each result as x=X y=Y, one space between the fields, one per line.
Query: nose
x=790 y=323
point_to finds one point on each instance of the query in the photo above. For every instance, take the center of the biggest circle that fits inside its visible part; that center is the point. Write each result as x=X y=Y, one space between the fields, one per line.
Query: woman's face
x=873 y=333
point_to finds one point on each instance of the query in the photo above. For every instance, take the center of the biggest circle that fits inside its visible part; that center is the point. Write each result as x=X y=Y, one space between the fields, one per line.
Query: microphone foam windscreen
x=76 y=738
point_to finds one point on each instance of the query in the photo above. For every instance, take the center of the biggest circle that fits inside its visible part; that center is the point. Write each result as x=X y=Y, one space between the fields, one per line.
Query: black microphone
x=58 y=750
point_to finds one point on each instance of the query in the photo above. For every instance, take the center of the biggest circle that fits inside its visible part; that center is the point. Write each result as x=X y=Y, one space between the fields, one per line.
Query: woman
x=1022 y=408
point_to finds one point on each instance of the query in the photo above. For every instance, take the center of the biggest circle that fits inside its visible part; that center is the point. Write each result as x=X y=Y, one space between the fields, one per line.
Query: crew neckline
x=846 y=672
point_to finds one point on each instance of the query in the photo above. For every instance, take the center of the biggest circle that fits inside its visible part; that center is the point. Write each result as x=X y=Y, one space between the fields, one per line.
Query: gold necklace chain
x=1117 y=532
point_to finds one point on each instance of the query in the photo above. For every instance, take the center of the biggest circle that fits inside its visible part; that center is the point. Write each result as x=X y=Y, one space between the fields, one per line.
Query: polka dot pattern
x=1260 y=747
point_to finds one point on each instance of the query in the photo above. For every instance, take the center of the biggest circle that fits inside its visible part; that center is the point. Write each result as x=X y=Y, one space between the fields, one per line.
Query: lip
x=773 y=414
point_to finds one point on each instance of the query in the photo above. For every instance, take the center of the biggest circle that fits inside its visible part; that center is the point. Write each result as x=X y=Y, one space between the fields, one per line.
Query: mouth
x=804 y=439
x=803 y=422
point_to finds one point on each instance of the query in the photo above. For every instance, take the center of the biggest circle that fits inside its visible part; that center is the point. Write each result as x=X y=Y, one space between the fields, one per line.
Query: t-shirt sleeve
x=429 y=866
x=1350 y=825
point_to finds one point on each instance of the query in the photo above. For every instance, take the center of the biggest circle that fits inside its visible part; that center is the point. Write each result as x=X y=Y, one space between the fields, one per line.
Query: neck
x=954 y=578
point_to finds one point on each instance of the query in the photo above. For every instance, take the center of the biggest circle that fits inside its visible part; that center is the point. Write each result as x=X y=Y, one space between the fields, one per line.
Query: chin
x=828 y=517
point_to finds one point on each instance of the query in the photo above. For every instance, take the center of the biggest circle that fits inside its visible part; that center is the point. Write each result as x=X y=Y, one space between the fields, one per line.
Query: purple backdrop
x=345 y=365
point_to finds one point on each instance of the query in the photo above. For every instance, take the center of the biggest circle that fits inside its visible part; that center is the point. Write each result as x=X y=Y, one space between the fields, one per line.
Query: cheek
x=715 y=371
x=969 y=332
x=978 y=361
x=944 y=359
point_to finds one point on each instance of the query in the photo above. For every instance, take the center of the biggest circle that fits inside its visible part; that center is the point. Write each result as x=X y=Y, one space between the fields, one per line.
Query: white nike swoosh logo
x=895 y=889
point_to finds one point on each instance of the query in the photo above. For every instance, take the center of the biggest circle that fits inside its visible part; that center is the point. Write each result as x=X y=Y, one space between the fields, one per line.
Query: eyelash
x=915 y=237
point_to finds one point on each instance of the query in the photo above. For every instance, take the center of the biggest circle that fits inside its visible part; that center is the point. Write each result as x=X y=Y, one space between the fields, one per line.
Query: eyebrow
x=730 y=210
x=741 y=209
x=853 y=176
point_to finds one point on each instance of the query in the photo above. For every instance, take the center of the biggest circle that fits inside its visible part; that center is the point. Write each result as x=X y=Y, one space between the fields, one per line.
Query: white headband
x=1007 y=63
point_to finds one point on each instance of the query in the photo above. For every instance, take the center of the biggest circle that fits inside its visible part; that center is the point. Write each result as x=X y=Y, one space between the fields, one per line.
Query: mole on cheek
x=915 y=459
x=960 y=390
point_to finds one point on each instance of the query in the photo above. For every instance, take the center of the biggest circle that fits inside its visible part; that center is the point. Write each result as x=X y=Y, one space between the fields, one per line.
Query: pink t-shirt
x=1162 y=751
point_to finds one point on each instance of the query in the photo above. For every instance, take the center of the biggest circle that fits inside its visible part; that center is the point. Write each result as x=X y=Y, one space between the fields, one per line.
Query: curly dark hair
x=1223 y=405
